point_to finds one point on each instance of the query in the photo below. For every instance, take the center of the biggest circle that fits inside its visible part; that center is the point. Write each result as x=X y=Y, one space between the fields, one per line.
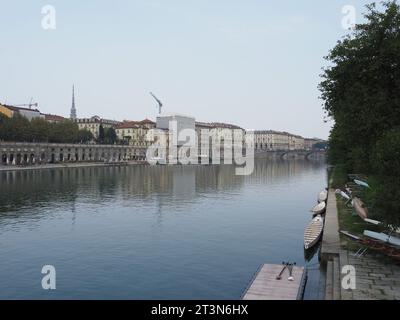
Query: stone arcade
x=18 y=153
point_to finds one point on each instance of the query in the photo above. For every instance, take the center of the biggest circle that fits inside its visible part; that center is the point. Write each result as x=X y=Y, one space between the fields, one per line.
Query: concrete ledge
x=329 y=281
x=70 y=165
x=330 y=247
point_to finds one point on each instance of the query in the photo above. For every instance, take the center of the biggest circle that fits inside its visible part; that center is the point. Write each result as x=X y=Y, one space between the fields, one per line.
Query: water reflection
x=40 y=187
x=24 y=193
x=311 y=253
x=192 y=232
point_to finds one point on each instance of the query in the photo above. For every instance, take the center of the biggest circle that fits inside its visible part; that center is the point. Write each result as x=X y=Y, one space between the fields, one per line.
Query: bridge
x=291 y=154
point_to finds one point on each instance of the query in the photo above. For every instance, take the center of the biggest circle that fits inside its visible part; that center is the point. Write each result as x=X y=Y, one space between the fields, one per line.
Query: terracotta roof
x=53 y=117
x=147 y=121
x=127 y=125
x=134 y=124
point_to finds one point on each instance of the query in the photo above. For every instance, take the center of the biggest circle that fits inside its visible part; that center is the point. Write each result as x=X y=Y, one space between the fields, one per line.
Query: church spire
x=73 y=109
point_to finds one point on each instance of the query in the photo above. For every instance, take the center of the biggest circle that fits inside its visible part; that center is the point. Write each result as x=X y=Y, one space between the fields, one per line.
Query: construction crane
x=30 y=104
x=158 y=101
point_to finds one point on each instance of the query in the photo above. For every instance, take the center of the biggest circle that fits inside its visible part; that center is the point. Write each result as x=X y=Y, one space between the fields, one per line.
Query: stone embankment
x=376 y=276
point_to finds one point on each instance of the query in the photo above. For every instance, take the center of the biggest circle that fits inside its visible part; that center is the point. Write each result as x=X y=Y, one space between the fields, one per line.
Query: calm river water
x=142 y=232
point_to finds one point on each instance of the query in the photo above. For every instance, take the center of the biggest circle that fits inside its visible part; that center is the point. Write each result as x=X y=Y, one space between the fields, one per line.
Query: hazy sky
x=255 y=63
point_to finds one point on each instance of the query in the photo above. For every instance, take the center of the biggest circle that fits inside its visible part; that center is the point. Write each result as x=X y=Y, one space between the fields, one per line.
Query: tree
x=101 y=137
x=386 y=164
x=361 y=92
x=64 y=132
x=361 y=88
x=3 y=126
x=39 y=130
x=84 y=136
x=18 y=128
x=110 y=136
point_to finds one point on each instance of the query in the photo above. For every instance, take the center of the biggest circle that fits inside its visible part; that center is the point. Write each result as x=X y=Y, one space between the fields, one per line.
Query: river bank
x=70 y=165
x=377 y=277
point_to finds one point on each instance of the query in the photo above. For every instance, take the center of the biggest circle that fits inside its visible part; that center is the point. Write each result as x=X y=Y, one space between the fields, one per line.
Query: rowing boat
x=319 y=208
x=377 y=223
x=313 y=232
x=358 y=206
x=378 y=242
x=382 y=237
x=361 y=183
x=323 y=195
x=342 y=194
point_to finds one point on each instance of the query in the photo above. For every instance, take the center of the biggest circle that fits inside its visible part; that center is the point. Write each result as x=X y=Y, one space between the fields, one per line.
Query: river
x=154 y=232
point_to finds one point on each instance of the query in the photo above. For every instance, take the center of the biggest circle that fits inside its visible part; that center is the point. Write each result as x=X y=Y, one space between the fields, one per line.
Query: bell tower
x=73 y=109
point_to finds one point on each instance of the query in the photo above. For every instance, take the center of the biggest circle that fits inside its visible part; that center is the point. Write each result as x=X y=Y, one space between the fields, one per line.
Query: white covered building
x=182 y=122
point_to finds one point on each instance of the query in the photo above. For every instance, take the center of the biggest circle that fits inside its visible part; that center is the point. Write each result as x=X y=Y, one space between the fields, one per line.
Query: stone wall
x=19 y=153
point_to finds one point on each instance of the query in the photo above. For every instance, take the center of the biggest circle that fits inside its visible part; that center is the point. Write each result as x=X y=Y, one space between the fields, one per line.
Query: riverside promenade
x=70 y=165
x=330 y=249
x=377 y=277
x=23 y=154
x=330 y=239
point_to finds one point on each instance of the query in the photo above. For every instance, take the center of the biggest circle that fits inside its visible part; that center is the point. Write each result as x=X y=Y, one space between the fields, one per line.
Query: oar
x=279 y=276
x=291 y=278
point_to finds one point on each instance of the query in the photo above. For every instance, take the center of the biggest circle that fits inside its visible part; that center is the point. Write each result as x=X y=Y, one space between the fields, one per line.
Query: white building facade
x=269 y=140
x=93 y=124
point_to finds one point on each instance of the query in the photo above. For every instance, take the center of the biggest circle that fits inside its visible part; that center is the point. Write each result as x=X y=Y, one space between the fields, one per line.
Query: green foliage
x=386 y=164
x=338 y=177
x=110 y=136
x=101 y=137
x=40 y=130
x=15 y=129
x=361 y=88
x=85 y=136
x=20 y=129
x=361 y=92
x=349 y=221
x=386 y=155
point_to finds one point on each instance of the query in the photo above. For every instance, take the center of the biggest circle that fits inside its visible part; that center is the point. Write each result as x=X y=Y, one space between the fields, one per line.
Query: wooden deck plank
x=265 y=286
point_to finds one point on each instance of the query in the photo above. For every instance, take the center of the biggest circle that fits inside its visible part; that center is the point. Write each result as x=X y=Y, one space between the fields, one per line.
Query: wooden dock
x=265 y=286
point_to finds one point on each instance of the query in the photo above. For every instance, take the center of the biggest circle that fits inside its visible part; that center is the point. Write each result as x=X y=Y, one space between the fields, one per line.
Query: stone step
x=336 y=279
x=329 y=281
x=344 y=261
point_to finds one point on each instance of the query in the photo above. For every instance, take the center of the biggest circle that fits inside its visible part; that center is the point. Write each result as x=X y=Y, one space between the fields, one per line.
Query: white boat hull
x=319 y=208
x=313 y=232
x=382 y=237
x=323 y=196
x=343 y=194
x=361 y=183
x=377 y=223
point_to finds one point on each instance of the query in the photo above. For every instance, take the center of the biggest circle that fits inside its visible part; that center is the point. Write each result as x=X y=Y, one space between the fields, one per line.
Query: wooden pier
x=265 y=286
